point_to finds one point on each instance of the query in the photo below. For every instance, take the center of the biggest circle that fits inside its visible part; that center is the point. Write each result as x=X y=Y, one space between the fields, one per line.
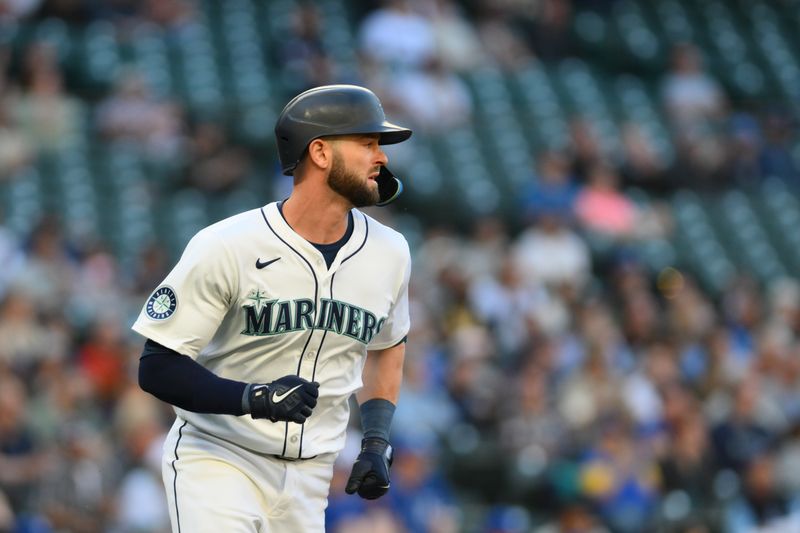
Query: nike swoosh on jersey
x=278 y=398
x=260 y=264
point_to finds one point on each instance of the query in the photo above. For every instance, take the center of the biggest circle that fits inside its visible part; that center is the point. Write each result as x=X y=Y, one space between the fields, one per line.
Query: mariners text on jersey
x=273 y=317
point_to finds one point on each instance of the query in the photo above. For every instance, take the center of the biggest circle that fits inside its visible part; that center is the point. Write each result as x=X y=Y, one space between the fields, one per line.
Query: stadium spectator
x=550 y=35
x=687 y=471
x=741 y=436
x=621 y=477
x=420 y=497
x=550 y=252
x=504 y=44
x=585 y=148
x=691 y=96
x=102 y=359
x=25 y=340
x=642 y=165
x=397 y=36
x=776 y=158
x=434 y=99
x=132 y=113
x=43 y=111
x=551 y=190
x=16 y=149
x=303 y=54
x=76 y=495
x=760 y=504
x=139 y=430
x=602 y=208
x=534 y=426
x=457 y=44
x=23 y=462
x=215 y=165
x=696 y=106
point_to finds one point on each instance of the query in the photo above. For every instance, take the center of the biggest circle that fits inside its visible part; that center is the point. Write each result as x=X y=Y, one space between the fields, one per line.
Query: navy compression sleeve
x=376 y=418
x=181 y=381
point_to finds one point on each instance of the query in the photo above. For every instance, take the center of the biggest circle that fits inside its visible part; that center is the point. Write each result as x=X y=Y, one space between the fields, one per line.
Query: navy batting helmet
x=336 y=110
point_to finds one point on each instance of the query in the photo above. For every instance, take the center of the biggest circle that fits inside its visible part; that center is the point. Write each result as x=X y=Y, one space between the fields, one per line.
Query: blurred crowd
x=553 y=382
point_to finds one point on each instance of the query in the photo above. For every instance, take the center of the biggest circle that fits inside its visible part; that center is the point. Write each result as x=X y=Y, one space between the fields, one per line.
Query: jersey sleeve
x=184 y=312
x=396 y=326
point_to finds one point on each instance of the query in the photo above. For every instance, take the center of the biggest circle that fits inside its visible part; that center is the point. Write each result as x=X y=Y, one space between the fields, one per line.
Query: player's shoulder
x=236 y=227
x=388 y=239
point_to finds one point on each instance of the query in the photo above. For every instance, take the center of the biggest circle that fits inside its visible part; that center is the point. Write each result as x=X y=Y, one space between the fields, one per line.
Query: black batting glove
x=370 y=475
x=288 y=399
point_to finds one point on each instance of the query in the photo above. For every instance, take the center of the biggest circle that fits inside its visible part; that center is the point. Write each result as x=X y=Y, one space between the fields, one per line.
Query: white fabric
x=213 y=487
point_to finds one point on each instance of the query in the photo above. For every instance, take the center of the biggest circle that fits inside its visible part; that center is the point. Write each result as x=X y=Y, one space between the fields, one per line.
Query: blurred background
x=602 y=205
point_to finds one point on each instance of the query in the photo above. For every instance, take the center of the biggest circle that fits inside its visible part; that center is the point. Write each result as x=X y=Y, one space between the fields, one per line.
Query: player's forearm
x=181 y=381
x=383 y=374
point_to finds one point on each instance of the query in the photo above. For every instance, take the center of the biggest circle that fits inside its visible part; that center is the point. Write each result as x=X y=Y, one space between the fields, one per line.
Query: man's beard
x=347 y=184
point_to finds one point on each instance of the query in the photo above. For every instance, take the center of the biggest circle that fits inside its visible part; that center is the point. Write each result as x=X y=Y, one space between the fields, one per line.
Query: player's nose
x=381 y=159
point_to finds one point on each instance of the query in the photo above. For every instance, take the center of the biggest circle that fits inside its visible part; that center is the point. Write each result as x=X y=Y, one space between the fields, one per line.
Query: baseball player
x=272 y=319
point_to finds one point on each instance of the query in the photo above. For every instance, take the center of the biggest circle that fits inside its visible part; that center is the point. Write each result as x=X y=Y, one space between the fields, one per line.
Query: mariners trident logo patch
x=162 y=303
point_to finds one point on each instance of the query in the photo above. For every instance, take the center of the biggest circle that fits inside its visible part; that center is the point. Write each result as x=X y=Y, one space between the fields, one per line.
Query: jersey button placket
x=308 y=363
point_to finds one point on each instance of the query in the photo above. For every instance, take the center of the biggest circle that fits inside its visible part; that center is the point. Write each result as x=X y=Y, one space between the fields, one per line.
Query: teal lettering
x=274 y=317
x=284 y=322
x=302 y=314
x=368 y=331
x=257 y=324
x=336 y=318
x=322 y=313
x=353 y=322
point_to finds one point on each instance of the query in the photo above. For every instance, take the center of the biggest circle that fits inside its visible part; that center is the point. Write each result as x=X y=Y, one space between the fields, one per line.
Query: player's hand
x=370 y=475
x=288 y=399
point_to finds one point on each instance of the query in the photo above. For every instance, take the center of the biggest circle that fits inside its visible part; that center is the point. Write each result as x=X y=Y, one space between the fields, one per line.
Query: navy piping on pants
x=175 y=479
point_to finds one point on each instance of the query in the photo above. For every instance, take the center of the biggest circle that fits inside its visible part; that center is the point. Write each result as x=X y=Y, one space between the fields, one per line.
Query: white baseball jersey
x=253 y=301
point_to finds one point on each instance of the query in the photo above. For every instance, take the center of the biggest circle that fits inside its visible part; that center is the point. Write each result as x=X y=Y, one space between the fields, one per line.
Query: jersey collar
x=284 y=231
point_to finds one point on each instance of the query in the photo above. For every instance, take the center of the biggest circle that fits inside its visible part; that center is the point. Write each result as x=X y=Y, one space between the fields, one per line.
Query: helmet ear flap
x=389 y=187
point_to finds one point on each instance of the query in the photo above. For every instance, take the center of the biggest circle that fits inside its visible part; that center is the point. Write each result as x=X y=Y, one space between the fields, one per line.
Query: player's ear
x=320 y=153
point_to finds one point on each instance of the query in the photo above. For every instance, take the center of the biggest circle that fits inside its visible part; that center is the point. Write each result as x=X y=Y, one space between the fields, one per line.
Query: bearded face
x=359 y=191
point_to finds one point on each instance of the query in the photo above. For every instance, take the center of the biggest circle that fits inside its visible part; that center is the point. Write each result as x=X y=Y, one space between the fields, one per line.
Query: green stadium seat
x=542 y=112
x=588 y=99
x=150 y=55
x=591 y=28
x=780 y=209
x=102 y=54
x=187 y=214
x=424 y=176
x=278 y=17
x=469 y=171
x=636 y=105
x=244 y=57
x=697 y=244
x=745 y=236
x=731 y=51
x=56 y=33
x=499 y=129
x=201 y=83
x=24 y=201
x=639 y=39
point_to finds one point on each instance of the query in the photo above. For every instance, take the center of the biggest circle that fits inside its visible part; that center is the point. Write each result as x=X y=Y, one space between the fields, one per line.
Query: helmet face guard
x=389 y=187
x=336 y=110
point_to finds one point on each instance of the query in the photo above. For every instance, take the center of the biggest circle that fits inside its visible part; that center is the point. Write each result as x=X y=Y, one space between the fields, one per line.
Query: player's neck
x=316 y=219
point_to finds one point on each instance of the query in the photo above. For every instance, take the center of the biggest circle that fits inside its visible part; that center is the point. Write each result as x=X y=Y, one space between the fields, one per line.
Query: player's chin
x=370 y=194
